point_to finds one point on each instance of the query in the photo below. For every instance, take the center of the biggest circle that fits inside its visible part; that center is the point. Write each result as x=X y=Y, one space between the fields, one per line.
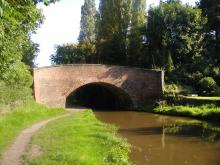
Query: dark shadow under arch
x=99 y=96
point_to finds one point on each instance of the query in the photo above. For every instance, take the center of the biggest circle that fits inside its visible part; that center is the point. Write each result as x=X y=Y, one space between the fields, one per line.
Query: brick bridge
x=131 y=87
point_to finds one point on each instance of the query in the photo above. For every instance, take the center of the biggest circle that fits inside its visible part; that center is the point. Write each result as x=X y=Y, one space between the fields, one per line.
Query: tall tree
x=175 y=30
x=19 y=19
x=211 y=9
x=87 y=33
x=113 y=24
x=88 y=21
x=137 y=26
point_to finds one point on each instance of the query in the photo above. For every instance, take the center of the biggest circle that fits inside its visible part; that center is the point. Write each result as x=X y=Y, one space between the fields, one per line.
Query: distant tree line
x=178 y=38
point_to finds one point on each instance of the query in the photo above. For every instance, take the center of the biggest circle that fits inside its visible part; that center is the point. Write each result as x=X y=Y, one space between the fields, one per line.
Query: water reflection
x=203 y=131
x=162 y=140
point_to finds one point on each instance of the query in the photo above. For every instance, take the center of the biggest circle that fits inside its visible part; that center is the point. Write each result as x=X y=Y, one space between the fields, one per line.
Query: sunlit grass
x=210 y=112
x=12 y=122
x=82 y=140
x=202 y=98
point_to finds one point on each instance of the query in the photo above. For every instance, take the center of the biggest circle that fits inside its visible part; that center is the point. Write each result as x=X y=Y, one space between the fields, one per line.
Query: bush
x=171 y=90
x=11 y=95
x=208 y=85
x=174 y=90
x=67 y=54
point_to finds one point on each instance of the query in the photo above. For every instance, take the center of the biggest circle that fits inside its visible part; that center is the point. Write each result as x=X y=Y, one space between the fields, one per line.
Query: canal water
x=163 y=140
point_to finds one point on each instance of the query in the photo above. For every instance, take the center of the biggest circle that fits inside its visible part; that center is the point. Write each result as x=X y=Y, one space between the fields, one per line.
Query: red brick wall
x=53 y=84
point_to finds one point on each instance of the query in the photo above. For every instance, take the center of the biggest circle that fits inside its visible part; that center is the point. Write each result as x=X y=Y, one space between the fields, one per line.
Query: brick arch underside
x=121 y=96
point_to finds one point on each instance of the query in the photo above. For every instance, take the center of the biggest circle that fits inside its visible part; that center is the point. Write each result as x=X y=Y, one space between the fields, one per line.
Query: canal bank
x=78 y=139
x=202 y=108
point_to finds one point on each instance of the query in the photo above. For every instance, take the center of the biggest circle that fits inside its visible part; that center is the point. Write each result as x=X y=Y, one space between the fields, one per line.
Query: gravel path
x=13 y=155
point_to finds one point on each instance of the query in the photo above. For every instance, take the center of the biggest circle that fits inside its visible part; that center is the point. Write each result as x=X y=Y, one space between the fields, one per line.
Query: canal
x=163 y=140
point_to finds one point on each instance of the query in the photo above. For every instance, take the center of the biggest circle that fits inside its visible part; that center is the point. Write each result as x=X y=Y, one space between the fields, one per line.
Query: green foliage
x=217 y=91
x=171 y=90
x=174 y=90
x=2 y=3
x=211 y=9
x=19 y=19
x=88 y=51
x=136 y=33
x=30 y=54
x=208 y=86
x=13 y=95
x=67 y=54
x=11 y=123
x=208 y=83
x=114 y=17
x=176 y=29
x=87 y=35
x=88 y=21
x=80 y=139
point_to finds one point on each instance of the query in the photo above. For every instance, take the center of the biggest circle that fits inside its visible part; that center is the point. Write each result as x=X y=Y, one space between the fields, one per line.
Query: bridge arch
x=99 y=95
x=52 y=85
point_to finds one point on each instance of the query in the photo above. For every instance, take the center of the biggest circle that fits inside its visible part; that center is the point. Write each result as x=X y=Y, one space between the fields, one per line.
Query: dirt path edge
x=13 y=155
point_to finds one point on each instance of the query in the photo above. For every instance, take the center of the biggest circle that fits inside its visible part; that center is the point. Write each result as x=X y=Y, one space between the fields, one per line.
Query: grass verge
x=203 y=98
x=206 y=112
x=79 y=139
x=12 y=122
x=193 y=101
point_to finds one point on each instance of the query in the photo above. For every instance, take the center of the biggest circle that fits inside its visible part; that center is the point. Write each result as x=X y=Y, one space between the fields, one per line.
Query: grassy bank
x=13 y=121
x=193 y=101
x=206 y=112
x=79 y=139
x=203 y=98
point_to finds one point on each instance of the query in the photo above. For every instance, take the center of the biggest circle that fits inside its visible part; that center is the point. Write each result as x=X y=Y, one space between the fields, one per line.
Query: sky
x=62 y=25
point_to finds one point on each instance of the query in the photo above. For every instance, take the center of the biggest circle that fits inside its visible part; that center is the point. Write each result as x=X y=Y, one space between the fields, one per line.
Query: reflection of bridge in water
x=96 y=85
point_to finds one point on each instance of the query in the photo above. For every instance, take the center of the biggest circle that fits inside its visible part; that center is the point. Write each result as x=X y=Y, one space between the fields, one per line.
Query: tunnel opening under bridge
x=99 y=96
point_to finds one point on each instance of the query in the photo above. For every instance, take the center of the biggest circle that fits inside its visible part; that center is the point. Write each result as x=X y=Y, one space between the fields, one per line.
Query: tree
x=87 y=35
x=3 y=3
x=114 y=18
x=18 y=20
x=67 y=54
x=88 y=21
x=211 y=9
x=137 y=25
x=30 y=54
x=175 y=29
